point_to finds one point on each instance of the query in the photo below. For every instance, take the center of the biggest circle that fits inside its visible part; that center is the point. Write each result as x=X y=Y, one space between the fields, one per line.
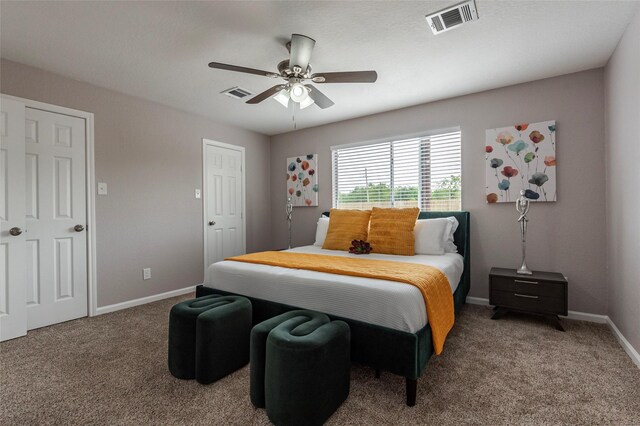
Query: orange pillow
x=391 y=231
x=346 y=226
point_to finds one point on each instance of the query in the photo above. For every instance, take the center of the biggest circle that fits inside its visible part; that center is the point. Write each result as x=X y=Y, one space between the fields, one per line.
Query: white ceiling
x=160 y=50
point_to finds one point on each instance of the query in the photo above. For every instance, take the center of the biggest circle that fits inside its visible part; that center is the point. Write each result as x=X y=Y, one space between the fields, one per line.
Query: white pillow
x=321 y=231
x=430 y=235
x=449 y=245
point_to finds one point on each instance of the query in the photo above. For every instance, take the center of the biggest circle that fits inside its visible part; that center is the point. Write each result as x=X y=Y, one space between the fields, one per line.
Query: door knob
x=211 y=223
x=15 y=231
x=78 y=228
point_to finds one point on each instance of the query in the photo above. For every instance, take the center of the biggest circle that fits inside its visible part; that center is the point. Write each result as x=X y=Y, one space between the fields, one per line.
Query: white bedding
x=389 y=304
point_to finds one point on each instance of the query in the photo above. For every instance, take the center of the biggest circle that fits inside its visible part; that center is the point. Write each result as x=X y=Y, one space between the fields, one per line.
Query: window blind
x=419 y=172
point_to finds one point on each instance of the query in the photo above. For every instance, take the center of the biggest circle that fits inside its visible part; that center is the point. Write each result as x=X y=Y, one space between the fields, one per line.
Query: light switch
x=197 y=193
x=102 y=188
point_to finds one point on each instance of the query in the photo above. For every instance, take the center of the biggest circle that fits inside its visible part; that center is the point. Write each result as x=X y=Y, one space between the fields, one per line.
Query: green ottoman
x=209 y=337
x=300 y=367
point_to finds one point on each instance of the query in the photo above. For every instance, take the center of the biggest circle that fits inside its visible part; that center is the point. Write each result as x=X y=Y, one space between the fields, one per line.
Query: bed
x=388 y=320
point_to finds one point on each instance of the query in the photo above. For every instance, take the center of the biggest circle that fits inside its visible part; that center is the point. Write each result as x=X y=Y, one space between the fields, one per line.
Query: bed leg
x=412 y=388
x=377 y=373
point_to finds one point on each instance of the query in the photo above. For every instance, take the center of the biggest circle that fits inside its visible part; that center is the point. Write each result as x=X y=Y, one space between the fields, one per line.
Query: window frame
x=369 y=142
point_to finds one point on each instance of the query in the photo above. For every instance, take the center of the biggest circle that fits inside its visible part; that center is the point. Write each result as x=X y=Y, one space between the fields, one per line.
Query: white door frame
x=243 y=214
x=92 y=285
x=13 y=321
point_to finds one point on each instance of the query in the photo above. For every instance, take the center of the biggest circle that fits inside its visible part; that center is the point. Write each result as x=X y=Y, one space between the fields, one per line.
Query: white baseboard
x=583 y=316
x=574 y=315
x=477 y=301
x=144 y=300
x=633 y=354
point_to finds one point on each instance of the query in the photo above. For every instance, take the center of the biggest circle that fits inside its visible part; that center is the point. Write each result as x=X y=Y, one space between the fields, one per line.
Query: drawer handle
x=525 y=295
x=526 y=282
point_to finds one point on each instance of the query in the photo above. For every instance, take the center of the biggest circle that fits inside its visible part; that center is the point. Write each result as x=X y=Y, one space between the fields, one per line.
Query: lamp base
x=524 y=271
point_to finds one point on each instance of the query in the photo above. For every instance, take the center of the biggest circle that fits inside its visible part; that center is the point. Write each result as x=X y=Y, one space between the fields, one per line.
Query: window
x=419 y=172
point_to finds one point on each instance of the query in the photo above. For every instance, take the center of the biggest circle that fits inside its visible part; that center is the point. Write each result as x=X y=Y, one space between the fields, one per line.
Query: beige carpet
x=112 y=369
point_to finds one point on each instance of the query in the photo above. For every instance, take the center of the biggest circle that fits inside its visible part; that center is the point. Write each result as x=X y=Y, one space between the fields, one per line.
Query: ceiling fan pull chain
x=295 y=127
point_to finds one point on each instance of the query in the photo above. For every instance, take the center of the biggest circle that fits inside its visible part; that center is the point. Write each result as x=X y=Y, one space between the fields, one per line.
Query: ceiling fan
x=296 y=71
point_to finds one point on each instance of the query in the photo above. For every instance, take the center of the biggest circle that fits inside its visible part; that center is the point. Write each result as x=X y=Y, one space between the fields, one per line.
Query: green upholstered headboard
x=461 y=238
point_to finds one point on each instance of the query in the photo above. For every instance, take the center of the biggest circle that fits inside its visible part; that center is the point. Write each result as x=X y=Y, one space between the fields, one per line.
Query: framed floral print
x=302 y=180
x=521 y=157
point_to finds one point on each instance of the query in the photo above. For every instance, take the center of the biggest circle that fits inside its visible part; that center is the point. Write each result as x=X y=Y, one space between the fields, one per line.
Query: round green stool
x=300 y=367
x=209 y=337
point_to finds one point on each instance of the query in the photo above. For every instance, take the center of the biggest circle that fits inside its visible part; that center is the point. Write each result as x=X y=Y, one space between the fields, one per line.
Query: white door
x=224 y=202
x=13 y=311
x=56 y=252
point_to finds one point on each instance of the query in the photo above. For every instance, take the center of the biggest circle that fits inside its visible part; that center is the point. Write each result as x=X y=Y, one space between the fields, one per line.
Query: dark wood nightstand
x=543 y=293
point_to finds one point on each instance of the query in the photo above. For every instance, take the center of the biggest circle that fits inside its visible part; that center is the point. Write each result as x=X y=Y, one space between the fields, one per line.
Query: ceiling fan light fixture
x=283 y=98
x=298 y=92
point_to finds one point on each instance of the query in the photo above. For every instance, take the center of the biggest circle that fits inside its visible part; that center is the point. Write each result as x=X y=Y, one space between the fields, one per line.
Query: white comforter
x=386 y=303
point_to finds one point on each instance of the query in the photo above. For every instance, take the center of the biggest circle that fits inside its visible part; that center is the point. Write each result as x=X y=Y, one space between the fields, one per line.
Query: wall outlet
x=146 y=274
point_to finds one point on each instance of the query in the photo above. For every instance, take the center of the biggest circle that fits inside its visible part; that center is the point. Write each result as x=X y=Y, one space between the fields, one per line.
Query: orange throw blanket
x=431 y=282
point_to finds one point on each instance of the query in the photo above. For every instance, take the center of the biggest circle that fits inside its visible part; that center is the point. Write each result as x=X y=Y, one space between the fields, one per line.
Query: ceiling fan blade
x=300 y=51
x=346 y=77
x=266 y=94
x=318 y=97
x=228 y=67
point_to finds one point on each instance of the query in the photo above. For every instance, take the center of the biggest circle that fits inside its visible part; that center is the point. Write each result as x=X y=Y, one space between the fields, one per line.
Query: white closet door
x=13 y=312
x=56 y=244
x=224 y=203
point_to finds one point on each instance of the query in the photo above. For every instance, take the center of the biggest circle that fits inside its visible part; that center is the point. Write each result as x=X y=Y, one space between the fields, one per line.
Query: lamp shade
x=298 y=92
x=306 y=102
x=283 y=98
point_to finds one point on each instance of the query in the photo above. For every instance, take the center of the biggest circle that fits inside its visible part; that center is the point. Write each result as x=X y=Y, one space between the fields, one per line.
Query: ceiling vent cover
x=237 y=92
x=453 y=16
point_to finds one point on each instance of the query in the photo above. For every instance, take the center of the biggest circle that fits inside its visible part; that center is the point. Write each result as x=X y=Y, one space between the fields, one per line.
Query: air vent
x=237 y=92
x=453 y=16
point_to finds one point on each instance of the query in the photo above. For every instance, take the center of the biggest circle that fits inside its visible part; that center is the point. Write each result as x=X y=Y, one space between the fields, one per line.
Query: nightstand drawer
x=528 y=302
x=529 y=286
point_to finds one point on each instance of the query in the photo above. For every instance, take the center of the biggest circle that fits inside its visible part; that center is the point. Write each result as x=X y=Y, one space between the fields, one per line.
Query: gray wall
x=567 y=236
x=151 y=158
x=622 y=97
x=150 y=155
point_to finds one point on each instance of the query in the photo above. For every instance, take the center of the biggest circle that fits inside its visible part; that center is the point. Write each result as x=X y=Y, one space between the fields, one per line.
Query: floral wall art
x=522 y=156
x=302 y=180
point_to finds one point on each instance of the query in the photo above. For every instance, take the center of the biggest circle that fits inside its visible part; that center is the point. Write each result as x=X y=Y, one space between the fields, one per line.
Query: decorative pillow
x=346 y=226
x=431 y=235
x=449 y=245
x=321 y=231
x=391 y=231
